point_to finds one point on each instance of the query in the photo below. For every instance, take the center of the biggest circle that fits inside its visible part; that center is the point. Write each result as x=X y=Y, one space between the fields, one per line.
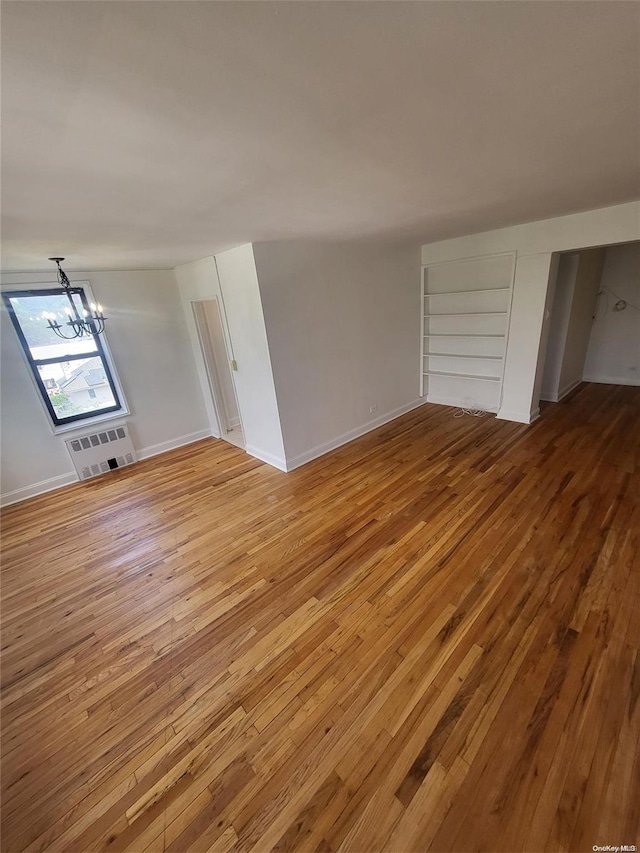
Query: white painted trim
x=345 y=438
x=568 y=389
x=453 y=401
x=67 y=479
x=600 y=227
x=172 y=443
x=456 y=402
x=206 y=382
x=91 y=423
x=447 y=261
x=86 y=423
x=423 y=286
x=555 y=398
x=269 y=458
x=40 y=488
x=518 y=417
x=207 y=352
x=604 y=379
x=503 y=414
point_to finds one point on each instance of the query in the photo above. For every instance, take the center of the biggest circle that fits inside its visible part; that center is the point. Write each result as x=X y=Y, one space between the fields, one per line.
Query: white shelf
x=480 y=296
x=460 y=355
x=461 y=375
x=482 y=290
x=467 y=314
x=459 y=334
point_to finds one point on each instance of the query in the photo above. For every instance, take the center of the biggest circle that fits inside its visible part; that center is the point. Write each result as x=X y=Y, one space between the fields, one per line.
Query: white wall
x=343 y=324
x=150 y=347
x=573 y=308
x=231 y=278
x=613 y=354
x=536 y=244
x=219 y=360
x=253 y=378
x=198 y=281
x=584 y=301
x=559 y=324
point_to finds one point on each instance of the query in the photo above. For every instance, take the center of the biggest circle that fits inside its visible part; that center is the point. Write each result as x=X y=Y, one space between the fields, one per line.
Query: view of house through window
x=73 y=376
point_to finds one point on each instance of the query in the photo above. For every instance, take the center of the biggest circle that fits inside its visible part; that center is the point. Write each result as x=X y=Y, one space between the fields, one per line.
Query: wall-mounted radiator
x=99 y=452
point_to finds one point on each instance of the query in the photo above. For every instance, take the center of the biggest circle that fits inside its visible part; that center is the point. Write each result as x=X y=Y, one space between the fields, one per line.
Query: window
x=73 y=377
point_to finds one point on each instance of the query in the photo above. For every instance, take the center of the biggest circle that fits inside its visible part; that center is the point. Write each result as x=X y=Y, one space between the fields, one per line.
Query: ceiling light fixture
x=89 y=323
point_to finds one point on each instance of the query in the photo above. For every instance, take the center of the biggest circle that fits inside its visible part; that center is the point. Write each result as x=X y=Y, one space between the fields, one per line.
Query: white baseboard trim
x=58 y=482
x=563 y=392
x=269 y=458
x=457 y=402
x=502 y=415
x=172 y=444
x=611 y=380
x=40 y=488
x=345 y=438
x=552 y=397
x=518 y=417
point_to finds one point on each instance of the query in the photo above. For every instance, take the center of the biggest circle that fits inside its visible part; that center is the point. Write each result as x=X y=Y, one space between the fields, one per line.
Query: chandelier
x=78 y=325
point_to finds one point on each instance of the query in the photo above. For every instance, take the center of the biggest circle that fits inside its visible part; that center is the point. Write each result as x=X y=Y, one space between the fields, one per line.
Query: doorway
x=218 y=365
x=593 y=324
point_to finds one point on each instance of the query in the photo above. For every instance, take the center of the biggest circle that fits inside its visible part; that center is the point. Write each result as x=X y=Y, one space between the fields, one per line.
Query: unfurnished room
x=320 y=426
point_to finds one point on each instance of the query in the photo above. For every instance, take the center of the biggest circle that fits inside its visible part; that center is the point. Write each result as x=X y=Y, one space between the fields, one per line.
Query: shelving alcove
x=465 y=320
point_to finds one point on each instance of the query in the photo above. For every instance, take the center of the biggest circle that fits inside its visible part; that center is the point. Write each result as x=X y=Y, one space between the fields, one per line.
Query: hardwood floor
x=427 y=640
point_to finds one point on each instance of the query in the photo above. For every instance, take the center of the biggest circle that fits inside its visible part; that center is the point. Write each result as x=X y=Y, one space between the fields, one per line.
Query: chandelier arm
x=60 y=334
x=92 y=324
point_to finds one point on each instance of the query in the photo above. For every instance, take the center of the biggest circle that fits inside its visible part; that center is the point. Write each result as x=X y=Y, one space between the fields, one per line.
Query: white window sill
x=88 y=423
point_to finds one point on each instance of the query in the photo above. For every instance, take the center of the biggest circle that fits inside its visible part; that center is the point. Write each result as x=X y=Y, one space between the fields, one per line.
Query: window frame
x=72 y=422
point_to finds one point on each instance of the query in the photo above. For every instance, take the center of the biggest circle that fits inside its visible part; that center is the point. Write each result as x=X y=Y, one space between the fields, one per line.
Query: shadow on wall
x=595 y=324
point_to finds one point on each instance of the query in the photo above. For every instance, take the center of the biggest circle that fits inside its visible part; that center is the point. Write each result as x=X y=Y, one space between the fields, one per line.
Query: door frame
x=210 y=366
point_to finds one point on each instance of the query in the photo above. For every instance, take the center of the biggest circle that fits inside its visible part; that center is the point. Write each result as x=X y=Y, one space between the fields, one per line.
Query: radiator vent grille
x=100 y=452
x=98 y=438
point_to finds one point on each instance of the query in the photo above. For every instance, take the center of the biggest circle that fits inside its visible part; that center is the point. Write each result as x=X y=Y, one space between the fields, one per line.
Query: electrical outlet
x=373 y=408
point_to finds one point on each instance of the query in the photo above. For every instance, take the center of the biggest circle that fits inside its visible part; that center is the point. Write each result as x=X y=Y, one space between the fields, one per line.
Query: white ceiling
x=147 y=134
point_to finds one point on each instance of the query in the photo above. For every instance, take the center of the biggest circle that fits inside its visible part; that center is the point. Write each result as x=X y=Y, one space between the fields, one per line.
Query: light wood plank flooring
x=427 y=640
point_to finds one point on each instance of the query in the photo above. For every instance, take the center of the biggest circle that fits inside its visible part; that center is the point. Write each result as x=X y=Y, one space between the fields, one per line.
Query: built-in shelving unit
x=465 y=318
